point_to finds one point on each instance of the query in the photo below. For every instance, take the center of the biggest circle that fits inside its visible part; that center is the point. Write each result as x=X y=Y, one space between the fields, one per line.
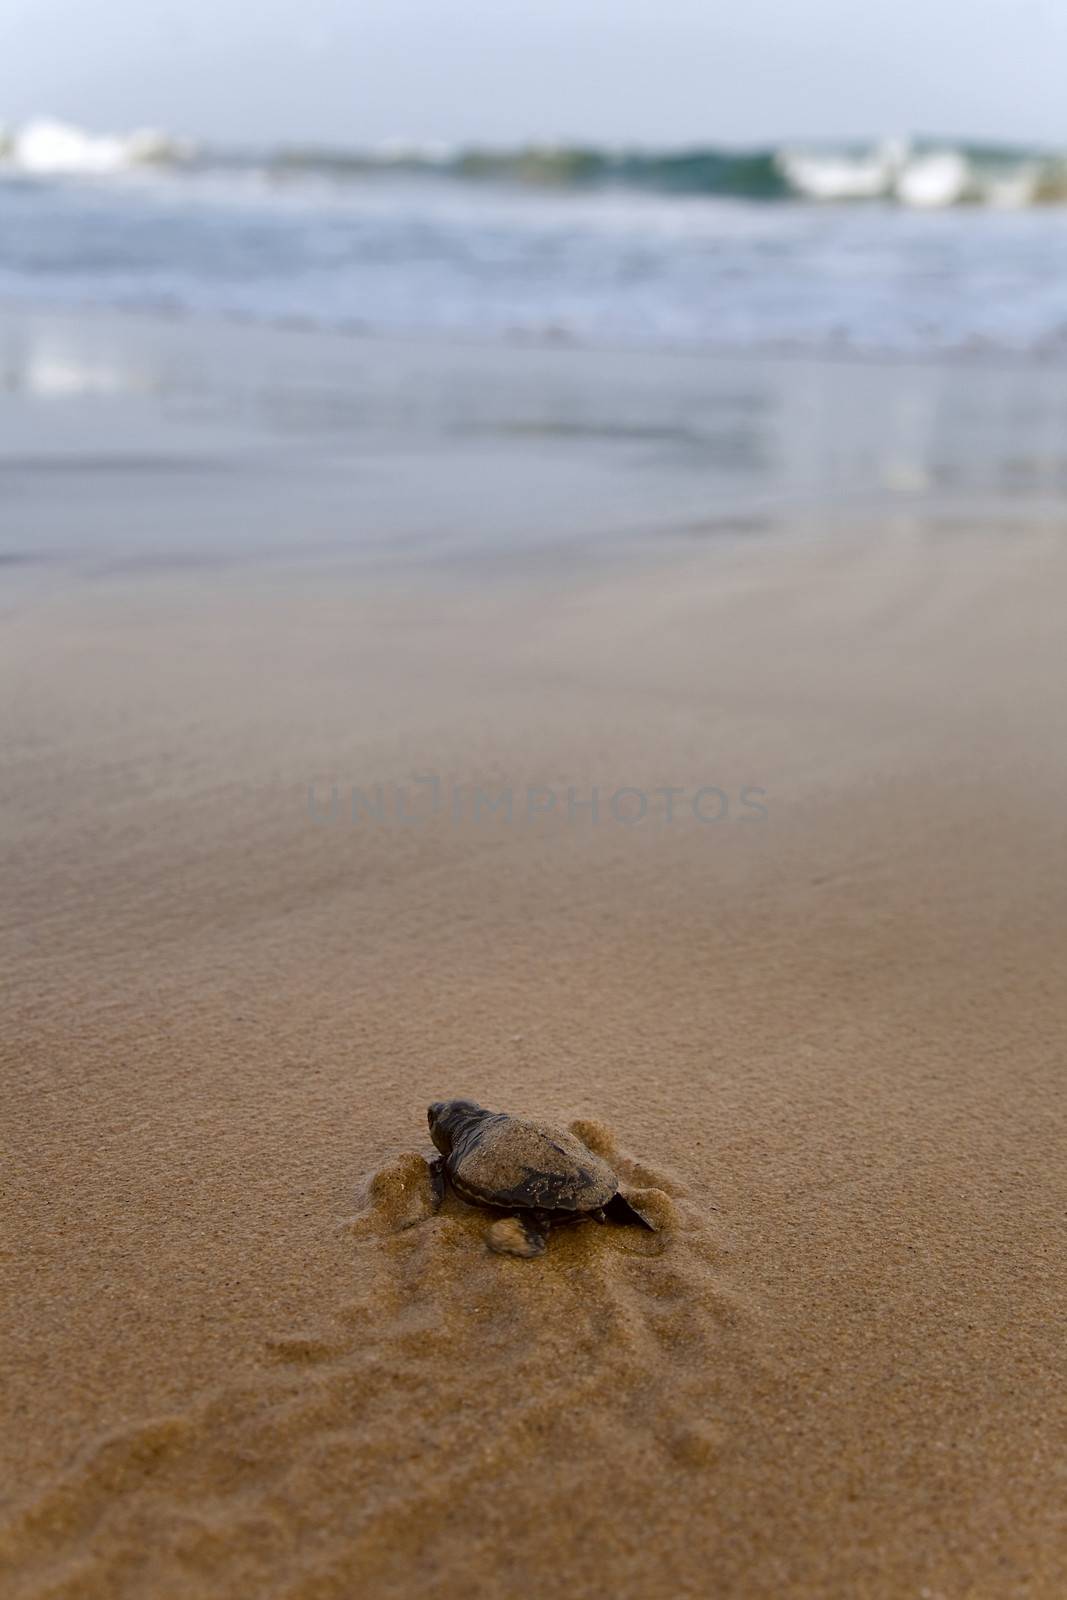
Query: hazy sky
x=650 y=71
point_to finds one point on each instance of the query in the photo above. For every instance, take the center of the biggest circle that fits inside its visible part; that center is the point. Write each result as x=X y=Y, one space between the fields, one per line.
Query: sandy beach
x=828 y=1025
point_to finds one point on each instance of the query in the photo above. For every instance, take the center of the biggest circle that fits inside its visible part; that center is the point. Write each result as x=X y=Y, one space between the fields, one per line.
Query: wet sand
x=240 y=1355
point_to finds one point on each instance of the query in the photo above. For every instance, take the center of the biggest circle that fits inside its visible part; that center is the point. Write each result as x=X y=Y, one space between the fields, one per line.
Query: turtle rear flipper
x=619 y=1209
x=522 y=1236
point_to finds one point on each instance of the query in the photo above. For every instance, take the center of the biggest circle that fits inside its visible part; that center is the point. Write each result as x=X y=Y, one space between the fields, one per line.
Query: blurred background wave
x=894 y=247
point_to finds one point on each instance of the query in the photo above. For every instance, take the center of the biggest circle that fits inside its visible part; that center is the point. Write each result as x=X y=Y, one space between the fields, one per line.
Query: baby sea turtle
x=531 y=1174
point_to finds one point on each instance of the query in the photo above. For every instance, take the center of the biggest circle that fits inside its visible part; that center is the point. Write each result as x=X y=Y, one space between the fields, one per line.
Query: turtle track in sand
x=426 y=1429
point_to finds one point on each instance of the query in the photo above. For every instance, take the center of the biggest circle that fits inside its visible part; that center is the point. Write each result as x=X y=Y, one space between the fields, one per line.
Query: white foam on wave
x=925 y=181
x=929 y=182
x=844 y=177
x=46 y=146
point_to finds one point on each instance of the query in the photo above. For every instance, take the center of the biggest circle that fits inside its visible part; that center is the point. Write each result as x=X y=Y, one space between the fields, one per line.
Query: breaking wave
x=901 y=248
x=923 y=174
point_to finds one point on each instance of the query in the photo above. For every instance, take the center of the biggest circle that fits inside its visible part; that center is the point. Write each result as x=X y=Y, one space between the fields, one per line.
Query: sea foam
x=45 y=146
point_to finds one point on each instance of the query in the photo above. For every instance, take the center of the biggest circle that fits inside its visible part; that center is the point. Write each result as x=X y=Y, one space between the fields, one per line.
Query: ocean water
x=895 y=249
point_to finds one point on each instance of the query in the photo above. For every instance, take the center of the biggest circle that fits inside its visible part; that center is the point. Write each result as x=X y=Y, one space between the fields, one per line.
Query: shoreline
x=208 y=444
x=975 y=356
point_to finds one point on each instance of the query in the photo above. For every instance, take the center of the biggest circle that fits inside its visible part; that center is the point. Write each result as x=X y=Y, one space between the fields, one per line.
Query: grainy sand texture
x=241 y=1355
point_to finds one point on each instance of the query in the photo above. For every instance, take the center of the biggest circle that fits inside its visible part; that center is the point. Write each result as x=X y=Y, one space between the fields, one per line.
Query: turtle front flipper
x=437 y=1181
x=518 y=1236
x=619 y=1209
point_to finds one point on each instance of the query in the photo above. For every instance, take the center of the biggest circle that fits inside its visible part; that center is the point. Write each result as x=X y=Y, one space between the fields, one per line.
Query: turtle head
x=448 y=1118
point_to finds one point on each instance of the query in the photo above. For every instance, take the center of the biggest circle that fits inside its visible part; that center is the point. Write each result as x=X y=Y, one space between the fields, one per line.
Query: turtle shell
x=504 y=1162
